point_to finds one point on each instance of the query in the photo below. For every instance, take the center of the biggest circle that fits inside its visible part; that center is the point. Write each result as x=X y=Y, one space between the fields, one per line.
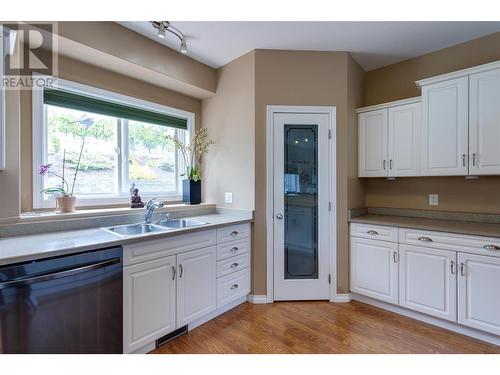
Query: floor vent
x=172 y=335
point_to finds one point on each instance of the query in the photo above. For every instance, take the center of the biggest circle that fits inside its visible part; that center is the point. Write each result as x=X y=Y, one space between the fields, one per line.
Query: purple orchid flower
x=44 y=168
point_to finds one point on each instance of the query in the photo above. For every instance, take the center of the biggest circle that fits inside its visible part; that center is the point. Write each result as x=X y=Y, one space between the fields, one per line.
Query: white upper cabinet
x=389 y=139
x=373 y=143
x=445 y=128
x=404 y=140
x=484 y=123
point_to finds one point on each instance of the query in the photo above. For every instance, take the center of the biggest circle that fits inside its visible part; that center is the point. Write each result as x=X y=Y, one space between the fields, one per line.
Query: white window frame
x=40 y=145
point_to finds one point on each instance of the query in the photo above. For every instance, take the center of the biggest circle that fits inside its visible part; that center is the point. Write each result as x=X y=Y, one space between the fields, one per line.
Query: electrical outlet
x=228 y=197
x=433 y=199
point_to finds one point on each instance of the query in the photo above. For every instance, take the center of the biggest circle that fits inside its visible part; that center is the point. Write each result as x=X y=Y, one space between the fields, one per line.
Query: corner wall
x=229 y=117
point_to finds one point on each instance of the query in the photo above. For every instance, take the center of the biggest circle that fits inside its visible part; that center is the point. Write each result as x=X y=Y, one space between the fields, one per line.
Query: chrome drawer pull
x=452 y=267
x=491 y=247
x=234 y=233
x=425 y=239
x=372 y=232
x=234 y=265
x=462 y=269
x=173 y=273
x=234 y=249
x=395 y=257
x=234 y=286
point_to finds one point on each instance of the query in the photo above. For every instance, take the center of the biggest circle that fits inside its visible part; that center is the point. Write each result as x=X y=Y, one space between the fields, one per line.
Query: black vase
x=191 y=191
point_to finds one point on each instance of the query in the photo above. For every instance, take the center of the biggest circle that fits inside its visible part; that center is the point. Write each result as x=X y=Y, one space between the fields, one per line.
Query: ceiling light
x=183 y=46
x=163 y=26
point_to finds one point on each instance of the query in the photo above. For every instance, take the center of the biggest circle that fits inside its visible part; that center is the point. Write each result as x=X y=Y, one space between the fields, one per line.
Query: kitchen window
x=123 y=144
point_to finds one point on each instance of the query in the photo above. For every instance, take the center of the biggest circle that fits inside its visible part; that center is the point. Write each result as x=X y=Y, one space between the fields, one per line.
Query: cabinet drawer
x=154 y=249
x=450 y=241
x=233 y=232
x=232 y=265
x=376 y=232
x=233 y=248
x=232 y=287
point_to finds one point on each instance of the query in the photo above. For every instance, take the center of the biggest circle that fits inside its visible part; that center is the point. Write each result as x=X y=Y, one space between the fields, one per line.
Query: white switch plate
x=433 y=199
x=228 y=197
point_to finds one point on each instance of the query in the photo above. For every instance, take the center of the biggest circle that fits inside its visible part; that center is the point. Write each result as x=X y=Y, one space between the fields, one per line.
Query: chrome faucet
x=150 y=209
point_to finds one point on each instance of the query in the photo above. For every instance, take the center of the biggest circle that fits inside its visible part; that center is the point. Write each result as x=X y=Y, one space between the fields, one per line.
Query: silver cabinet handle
x=173 y=273
x=383 y=163
x=371 y=231
x=395 y=257
x=234 y=286
x=452 y=267
x=474 y=155
x=279 y=216
x=234 y=265
x=463 y=160
x=462 y=269
x=234 y=249
x=425 y=239
x=234 y=233
x=390 y=164
x=491 y=247
x=181 y=270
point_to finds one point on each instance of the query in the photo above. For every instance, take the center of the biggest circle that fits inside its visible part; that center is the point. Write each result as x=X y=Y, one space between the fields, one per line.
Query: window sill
x=27 y=217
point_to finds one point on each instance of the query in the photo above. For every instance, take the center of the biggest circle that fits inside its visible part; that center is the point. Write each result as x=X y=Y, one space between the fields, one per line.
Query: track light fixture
x=163 y=26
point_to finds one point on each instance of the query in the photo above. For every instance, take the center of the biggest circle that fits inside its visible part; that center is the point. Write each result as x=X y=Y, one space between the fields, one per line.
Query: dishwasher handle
x=57 y=275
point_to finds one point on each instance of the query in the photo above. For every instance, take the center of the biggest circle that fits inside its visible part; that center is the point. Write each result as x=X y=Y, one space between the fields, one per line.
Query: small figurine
x=135 y=199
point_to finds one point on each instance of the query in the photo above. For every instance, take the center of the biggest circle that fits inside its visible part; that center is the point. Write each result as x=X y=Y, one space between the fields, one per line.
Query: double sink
x=156 y=227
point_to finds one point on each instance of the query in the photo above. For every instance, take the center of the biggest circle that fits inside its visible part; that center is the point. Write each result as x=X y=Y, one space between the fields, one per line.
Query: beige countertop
x=37 y=246
x=452 y=226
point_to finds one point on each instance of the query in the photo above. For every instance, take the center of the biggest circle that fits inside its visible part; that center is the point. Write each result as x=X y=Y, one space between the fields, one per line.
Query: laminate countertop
x=451 y=226
x=27 y=248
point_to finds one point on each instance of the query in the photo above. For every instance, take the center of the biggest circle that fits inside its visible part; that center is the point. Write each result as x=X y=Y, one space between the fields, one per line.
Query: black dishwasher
x=67 y=304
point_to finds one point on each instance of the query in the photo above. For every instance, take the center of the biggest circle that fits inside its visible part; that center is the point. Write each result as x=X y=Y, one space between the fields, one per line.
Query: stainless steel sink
x=180 y=223
x=135 y=229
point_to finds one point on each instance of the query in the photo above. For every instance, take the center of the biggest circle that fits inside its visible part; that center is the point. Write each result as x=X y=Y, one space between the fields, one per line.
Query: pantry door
x=302 y=206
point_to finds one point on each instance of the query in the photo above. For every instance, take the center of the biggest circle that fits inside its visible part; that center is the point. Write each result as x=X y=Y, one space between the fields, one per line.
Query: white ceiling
x=372 y=44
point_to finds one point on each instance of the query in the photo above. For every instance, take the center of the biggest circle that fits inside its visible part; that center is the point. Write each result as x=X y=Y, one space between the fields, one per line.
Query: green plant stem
x=77 y=167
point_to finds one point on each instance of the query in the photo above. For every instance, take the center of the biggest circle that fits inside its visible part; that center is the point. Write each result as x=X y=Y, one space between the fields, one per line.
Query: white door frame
x=331 y=112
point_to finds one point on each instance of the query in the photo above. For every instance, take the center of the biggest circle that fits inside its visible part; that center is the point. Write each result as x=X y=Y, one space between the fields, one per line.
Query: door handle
x=491 y=247
x=173 y=273
x=425 y=239
x=474 y=159
x=452 y=267
x=395 y=257
x=462 y=269
x=234 y=286
x=234 y=265
x=383 y=163
x=390 y=164
x=279 y=216
x=463 y=160
x=181 y=270
x=371 y=231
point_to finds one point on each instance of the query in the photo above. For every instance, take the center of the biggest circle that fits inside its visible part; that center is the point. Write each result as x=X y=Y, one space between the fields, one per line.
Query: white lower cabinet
x=428 y=281
x=479 y=292
x=374 y=269
x=196 y=284
x=148 y=302
x=172 y=282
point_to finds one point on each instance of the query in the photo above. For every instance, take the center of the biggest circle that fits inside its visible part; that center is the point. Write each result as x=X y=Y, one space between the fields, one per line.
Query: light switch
x=228 y=197
x=433 y=199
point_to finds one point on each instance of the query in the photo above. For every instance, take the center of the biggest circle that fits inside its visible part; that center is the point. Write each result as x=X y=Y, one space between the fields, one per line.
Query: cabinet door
x=372 y=128
x=484 y=125
x=428 y=281
x=148 y=302
x=404 y=140
x=374 y=269
x=196 y=284
x=479 y=292
x=445 y=128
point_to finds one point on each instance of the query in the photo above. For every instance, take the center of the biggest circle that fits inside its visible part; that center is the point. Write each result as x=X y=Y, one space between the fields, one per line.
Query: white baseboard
x=257 y=299
x=341 y=298
x=455 y=327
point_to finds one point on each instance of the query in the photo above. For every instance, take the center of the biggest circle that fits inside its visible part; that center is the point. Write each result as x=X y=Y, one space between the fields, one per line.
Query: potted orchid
x=65 y=199
x=192 y=154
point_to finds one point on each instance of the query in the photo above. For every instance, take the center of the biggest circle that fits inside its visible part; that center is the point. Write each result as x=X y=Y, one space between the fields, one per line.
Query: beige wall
x=229 y=117
x=397 y=81
x=303 y=78
x=80 y=72
x=9 y=178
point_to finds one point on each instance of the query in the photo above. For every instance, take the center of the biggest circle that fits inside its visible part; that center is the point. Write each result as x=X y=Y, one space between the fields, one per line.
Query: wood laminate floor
x=320 y=327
